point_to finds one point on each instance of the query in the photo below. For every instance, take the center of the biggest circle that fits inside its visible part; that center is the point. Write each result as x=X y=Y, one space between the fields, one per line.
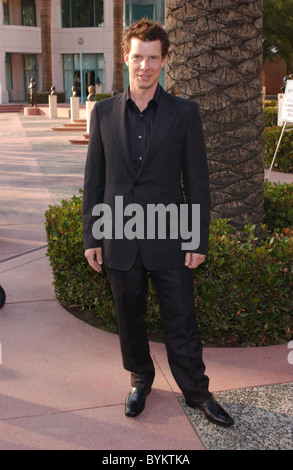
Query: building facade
x=82 y=43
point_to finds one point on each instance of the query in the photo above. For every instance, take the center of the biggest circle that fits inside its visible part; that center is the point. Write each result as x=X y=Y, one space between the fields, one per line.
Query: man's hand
x=94 y=257
x=193 y=260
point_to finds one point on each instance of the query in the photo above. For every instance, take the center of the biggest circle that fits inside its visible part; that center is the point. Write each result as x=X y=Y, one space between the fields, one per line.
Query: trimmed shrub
x=284 y=157
x=76 y=284
x=271 y=116
x=243 y=291
x=278 y=205
x=102 y=96
x=43 y=97
x=270 y=104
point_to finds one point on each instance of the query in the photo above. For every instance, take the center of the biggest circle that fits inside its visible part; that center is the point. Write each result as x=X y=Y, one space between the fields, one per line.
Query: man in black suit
x=143 y=144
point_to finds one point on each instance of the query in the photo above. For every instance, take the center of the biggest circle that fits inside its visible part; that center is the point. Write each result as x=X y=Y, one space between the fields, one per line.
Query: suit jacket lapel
x=117 y=121
x=165 y=116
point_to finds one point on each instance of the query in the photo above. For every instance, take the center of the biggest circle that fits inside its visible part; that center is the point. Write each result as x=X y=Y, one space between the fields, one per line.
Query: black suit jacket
x=176 y=149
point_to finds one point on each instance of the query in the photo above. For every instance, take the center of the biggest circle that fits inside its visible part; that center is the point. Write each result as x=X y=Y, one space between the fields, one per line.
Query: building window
x=82 y=13
x=30 y=70
x=134 y=10
x=28 y=13
x=6 y=12
x=92 y=69
x=8 y=66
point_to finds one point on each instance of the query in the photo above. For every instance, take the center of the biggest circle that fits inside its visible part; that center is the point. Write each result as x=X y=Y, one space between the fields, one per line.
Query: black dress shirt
x=139 y=126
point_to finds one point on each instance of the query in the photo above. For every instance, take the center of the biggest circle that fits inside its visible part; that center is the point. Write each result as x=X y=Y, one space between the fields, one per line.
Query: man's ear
x=126 y=58
x=164 y=60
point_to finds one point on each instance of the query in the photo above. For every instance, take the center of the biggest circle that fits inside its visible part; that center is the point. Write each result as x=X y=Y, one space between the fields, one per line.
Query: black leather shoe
x=213 y=411
x=135 y=401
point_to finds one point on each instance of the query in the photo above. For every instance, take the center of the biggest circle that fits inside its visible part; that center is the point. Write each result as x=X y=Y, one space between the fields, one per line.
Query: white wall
x=96 y=40
x=19 y=40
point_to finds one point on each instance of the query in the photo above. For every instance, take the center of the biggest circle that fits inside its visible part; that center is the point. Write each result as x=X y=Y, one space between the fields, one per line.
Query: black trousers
x=175 y=293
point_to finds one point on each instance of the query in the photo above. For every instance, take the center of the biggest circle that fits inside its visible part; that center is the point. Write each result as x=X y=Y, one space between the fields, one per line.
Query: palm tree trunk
x=45 y=13
x=216 y=60
x=118 y=72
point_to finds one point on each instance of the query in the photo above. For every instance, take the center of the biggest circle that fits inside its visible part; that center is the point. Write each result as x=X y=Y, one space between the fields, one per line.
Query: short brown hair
x=146 y=30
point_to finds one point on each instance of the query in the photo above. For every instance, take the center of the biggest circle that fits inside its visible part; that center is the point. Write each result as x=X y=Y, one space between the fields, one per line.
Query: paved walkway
x=62 y=385
x=276 y=177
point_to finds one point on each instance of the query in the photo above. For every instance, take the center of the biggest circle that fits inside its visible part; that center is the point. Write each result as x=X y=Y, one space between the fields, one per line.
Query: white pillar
x=4 y=96
x=74 y=106
x=89 y=107
x=52 y=106
x=108 y=76
x=1 y=13
x=108 y=14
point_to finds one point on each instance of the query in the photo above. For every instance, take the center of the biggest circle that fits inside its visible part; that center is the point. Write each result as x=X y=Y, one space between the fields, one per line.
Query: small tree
x=118 y=72
x=45 y=14
x=278 y=31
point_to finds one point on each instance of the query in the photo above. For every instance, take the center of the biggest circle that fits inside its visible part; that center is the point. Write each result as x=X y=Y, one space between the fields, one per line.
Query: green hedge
x=243 y=291
x=102 y=96
x=75 y=282
x=270 y=104
x=43 y=97
x=270 y=116
x=284 y=158
x=278 y=205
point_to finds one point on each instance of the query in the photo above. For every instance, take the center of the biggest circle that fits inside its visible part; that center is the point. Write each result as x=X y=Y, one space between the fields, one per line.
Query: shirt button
x=140 y=158
x=139 y=136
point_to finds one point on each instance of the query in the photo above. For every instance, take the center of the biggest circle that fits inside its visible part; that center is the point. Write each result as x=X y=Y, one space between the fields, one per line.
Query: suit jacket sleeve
x=94 y=180
x=196 y=175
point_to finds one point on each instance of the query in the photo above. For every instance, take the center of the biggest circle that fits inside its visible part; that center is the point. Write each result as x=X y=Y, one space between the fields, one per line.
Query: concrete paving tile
x=11 y=245
x=20 y=238
x=63 y=386
x=231 y=368
x=54 y=359
x=162 y=426
x=34 y=267
x=277 y=177
x=62 y=383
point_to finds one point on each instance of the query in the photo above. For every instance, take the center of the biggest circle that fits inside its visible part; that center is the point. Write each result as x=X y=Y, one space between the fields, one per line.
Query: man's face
x=145 y=63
